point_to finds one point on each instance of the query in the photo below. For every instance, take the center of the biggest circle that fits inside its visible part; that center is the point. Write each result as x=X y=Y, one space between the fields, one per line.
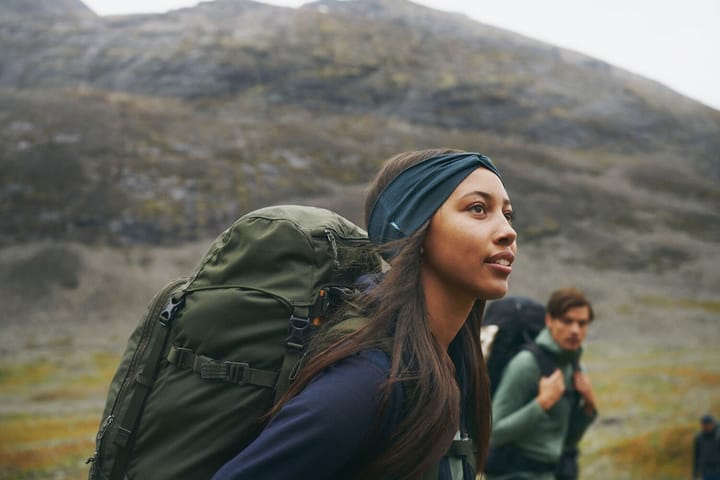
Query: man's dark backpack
x=215 y=350
x=510 y=325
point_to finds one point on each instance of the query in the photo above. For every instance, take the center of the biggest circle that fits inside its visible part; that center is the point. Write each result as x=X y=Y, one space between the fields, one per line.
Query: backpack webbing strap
x=299 y=328
x=290 y=366
x=459 y=449
x=211 y=369
x=547 y=361
x=464 y=448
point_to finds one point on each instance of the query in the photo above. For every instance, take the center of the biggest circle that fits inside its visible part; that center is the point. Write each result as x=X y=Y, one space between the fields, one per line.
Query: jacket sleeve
x=515 y=411
x=335 y=413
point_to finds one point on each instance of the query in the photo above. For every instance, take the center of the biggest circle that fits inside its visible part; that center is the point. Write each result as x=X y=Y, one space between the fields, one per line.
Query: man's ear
x=548 y=319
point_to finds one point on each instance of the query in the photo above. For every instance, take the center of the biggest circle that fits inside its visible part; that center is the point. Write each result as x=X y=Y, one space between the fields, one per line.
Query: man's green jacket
x=519 y=420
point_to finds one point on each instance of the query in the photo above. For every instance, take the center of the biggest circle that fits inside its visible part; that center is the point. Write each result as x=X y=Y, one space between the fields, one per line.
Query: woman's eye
x=510 y=217
x=478 y=208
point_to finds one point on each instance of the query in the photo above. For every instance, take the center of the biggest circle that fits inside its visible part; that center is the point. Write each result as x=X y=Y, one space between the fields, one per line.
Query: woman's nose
x=507 y=234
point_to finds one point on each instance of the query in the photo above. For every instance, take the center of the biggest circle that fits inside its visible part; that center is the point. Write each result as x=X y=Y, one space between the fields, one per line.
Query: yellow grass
x=47 y=445
x=659 y=454
x=14 y=377
x=39 y=447
x=649 y=405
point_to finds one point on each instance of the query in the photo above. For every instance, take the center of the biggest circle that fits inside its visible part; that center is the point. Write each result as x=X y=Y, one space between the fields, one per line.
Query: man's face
x=570 y=328
x=708 y=426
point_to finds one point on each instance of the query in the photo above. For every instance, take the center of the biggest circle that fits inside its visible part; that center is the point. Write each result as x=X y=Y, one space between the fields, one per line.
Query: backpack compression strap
x=211 y=369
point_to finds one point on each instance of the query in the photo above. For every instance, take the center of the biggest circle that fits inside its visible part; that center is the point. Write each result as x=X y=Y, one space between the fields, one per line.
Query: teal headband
x=417 y=192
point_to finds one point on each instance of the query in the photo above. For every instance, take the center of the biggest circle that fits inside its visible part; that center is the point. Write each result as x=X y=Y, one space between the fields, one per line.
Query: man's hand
x=550 y=390
x=582 y=385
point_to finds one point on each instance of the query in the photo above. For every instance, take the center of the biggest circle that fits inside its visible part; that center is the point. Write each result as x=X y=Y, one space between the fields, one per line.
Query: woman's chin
x=494 y=293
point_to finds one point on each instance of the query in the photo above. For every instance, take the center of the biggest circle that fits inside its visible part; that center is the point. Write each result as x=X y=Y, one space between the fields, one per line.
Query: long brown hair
x=432 y=407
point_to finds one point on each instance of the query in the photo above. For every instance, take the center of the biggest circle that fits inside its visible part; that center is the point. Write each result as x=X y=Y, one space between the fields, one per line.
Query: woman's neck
x=447 y=311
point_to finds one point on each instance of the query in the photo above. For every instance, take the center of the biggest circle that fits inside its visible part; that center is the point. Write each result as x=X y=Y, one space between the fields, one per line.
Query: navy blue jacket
x=330 y=430
x=321 y=432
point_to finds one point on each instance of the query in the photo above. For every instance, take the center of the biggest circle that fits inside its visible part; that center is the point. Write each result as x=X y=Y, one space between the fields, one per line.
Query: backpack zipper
x=157 y=309
x=154 y=314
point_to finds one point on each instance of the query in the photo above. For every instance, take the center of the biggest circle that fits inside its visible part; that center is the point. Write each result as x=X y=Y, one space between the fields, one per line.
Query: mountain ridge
x=165 y=127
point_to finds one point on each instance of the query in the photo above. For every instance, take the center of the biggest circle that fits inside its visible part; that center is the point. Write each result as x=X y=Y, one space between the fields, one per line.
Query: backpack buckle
x=171 y=307
x=210 y=369
x=297 y=332
x=235 y=372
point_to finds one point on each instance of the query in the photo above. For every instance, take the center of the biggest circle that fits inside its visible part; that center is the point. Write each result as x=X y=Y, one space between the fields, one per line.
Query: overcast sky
x=676 y=42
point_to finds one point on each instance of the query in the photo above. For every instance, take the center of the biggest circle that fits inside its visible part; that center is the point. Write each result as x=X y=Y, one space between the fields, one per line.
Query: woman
x=387 y=397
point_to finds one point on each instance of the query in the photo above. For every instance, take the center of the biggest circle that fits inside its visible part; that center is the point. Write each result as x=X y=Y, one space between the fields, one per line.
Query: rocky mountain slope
x=161 y=129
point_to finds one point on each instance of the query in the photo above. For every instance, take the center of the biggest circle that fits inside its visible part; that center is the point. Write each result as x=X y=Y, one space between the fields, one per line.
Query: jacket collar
x=545 y=340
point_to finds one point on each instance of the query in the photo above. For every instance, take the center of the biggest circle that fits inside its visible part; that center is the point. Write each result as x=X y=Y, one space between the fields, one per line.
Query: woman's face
x=470 y=244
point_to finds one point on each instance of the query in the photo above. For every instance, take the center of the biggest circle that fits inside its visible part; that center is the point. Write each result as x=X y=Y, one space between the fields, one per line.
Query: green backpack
x=217 y=349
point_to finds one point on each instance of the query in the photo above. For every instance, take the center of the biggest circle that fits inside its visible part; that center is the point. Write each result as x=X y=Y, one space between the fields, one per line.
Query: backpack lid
x=285 y=250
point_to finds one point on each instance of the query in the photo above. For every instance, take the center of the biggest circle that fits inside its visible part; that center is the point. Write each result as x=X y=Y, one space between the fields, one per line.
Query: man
x=537 y=418
x=706 y=452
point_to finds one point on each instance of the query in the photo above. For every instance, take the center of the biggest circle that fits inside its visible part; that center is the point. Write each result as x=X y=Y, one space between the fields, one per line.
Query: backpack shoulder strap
x=459 y=450
x=545 y=359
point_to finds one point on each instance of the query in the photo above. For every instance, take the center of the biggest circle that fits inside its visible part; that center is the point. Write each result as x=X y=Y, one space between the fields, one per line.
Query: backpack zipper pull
x=296 y=368
x=333 y=244
x=101 y=433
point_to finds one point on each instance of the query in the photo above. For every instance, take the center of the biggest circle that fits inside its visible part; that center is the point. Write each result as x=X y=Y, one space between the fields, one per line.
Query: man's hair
x=566 y=298
x=707 y=419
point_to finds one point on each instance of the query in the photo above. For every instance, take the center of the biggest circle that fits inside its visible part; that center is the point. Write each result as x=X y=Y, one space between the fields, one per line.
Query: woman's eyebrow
x=487 y=196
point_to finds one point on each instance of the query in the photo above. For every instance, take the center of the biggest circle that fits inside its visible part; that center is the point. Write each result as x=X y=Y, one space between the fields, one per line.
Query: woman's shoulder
x=377 y=357
x=349 y=393
x=357 y=374
x=370 y=366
